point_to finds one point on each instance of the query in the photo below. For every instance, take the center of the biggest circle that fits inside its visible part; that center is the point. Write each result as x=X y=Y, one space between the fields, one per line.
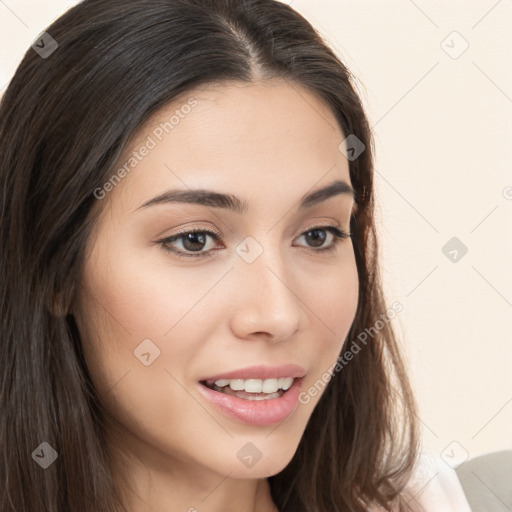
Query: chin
x=260 y=456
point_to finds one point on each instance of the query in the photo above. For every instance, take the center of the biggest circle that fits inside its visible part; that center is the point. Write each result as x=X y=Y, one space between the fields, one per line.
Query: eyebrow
x=231 y=202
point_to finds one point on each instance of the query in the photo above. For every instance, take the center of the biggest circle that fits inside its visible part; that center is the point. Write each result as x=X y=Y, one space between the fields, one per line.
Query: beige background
x=443 y=130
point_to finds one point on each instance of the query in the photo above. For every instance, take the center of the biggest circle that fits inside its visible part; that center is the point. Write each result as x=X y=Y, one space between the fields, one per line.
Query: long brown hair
x=65 y=119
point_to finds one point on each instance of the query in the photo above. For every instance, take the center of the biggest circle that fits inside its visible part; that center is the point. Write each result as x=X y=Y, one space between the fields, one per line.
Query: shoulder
x=436 y=486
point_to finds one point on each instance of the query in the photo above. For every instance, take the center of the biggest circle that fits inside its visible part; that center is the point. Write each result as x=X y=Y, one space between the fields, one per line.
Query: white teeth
x=256 y=385
x=253 y=385
x=286 y=383
x=269 y=386
x=236 y=384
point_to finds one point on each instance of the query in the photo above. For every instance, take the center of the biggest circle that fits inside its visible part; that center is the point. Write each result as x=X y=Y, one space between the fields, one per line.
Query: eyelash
x=164 y=243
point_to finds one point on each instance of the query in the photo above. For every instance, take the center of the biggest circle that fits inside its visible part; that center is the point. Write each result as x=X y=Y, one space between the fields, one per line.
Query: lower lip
x=255 y=412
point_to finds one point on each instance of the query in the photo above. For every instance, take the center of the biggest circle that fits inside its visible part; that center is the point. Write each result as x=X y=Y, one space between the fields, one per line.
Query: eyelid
x=186 y=230
x=182 y=231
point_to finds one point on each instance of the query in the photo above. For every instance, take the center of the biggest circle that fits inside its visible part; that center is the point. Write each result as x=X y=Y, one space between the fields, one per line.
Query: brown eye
x=193 y=241
x=318 y=235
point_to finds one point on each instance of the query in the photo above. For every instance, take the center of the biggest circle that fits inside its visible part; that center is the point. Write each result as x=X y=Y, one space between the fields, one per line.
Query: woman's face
x=261 y=297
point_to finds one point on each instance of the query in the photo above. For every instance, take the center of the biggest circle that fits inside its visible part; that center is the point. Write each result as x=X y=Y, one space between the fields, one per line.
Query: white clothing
x=435 y=486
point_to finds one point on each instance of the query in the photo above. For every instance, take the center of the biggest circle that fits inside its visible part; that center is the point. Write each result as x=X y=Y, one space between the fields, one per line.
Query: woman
x=192 y=313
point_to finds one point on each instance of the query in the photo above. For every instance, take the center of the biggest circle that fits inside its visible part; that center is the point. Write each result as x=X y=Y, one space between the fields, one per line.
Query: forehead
x=273 y=103
x=265 y=136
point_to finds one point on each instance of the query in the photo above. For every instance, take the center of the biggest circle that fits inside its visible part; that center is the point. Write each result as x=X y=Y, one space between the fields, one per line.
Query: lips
x=257 y=409
x=254 y=412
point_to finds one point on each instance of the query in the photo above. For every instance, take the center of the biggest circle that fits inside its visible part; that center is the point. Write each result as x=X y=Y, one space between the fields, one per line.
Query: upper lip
x=260 y=372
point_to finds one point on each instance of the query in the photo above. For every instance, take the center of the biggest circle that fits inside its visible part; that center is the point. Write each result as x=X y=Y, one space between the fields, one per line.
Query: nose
x=265 y=303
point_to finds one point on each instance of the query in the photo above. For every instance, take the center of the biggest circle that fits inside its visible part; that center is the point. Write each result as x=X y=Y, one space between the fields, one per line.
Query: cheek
x=138 y=342
x=143 y=296
x=145 y=323
x=333 y=306
x=334 y=299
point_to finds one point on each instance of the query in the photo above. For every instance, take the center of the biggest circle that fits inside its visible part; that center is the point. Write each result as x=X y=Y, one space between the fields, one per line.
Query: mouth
x=251 y=389
x=258 y=395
